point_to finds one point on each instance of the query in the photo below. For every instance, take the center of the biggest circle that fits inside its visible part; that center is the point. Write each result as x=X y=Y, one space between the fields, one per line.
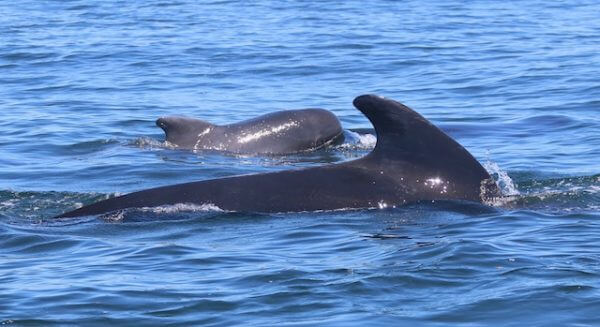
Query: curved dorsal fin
x=405 y=135
x=178 y=127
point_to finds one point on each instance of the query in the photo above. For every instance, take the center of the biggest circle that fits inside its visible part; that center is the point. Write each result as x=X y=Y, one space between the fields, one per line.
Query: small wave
x=150 y=143
x=88 y=147
x=570 y=194
x=34 y=205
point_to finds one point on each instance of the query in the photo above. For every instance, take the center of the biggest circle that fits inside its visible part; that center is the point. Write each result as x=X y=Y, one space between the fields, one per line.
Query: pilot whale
x=412 y=161
x=281 y=132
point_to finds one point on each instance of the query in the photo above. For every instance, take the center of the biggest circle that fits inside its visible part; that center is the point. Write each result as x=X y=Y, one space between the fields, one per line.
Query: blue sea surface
x=82 y=82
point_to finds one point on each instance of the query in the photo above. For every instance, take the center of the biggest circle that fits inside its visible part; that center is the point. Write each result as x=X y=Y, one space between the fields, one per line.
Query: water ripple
x=83 y=82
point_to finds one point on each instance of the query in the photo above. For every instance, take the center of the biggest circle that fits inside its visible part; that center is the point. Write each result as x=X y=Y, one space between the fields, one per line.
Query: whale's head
x=183 y=131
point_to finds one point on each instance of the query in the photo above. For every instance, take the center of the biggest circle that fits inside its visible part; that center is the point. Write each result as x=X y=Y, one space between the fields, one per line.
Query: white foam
x=119 y=215
x=367 y=140
x=8 y=204
x=506 y=184
x=146 y=142
x=183 y=207
x=355 y=140
x=594 y=189
x=114 y=216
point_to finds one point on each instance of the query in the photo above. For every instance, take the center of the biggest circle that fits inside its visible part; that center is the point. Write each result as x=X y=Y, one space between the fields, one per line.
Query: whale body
x=281 y=132
x=412 y=161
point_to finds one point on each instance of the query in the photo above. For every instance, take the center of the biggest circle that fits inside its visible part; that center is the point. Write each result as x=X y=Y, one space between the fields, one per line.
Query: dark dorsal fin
x=177 y=126
x=403 y=134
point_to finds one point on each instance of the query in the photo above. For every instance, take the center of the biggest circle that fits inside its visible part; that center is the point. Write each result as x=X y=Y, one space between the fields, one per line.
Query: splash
x=506 y=184
x=508 y=189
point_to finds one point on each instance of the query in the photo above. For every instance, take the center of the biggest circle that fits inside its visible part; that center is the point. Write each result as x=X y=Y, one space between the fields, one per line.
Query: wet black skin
x=413 y=161
x=281 y=132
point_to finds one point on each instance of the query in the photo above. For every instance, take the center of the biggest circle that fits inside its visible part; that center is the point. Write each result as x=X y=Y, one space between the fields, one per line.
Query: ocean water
x=82 y=82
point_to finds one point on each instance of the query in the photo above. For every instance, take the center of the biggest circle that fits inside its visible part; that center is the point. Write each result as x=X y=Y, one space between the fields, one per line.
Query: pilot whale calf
x=412 y=161
x=281 y=132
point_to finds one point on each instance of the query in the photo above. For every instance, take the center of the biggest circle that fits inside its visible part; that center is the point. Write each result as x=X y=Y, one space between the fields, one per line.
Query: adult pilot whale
x=281 y=132
x=412 y=161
